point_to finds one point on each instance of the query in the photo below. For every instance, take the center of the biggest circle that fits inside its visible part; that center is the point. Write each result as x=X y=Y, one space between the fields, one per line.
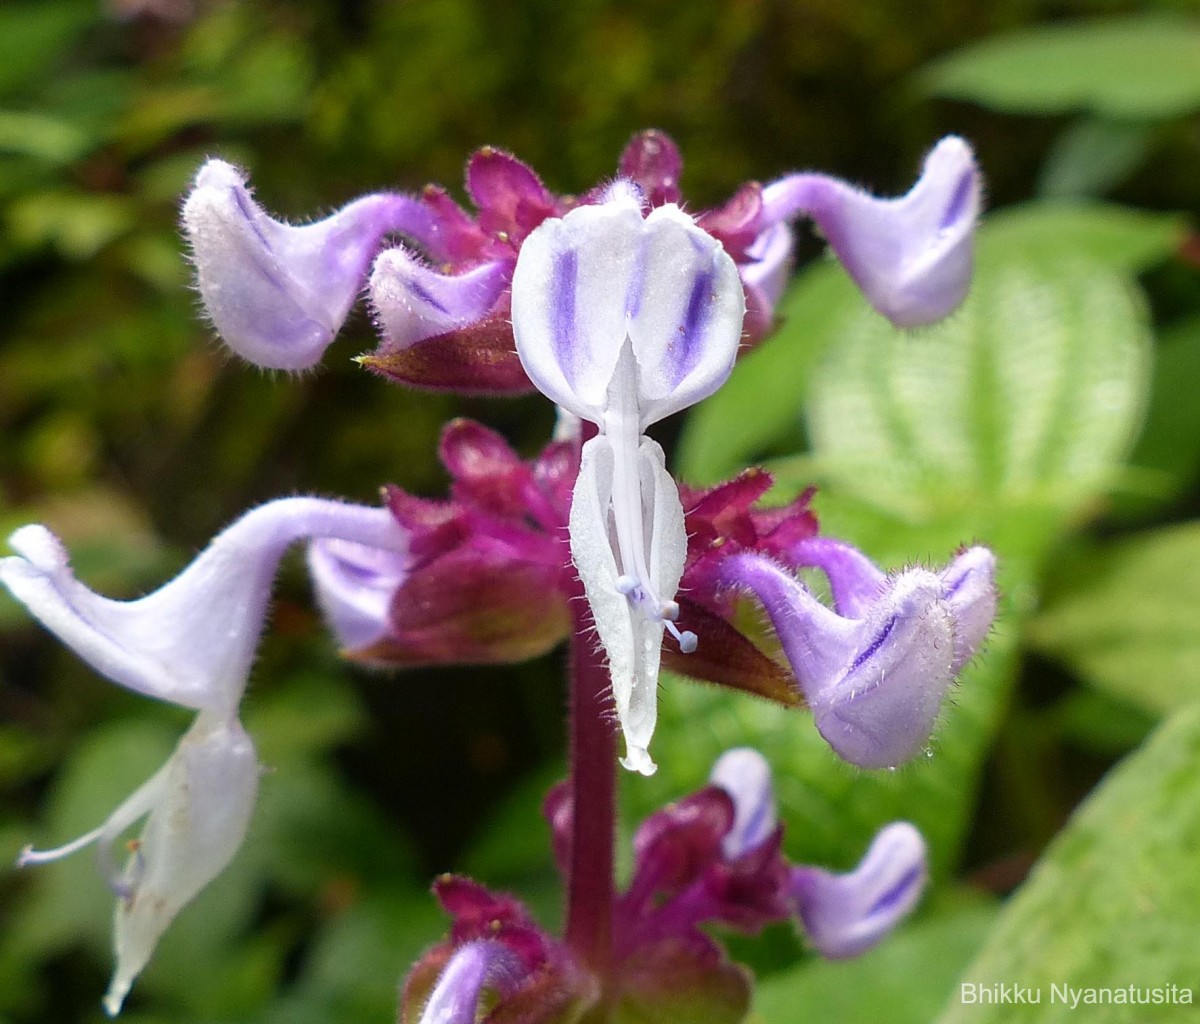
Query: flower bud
x=845 y=915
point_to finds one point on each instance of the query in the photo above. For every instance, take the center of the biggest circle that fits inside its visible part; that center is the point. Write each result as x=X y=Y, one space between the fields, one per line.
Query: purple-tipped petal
x=192 y=641
x=279 y=294
x=845 y=915
x=875 y=684
x=474 y=968
x=970 y=582
x=910 y=256
x=354 y=586
x=746 y=776
x=413 y=302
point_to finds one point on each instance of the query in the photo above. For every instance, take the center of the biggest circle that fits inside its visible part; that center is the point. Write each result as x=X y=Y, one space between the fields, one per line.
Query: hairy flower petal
x=632 y=639
x=278 y=294
x=910 y=256
x=844 y=915
x=192 y=641
x=413 y=302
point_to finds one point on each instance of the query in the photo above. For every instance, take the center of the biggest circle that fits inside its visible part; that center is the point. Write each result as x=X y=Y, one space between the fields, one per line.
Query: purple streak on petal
x=474 y=968
x=881 y=713
x=818 y=642
x=960 y=200
x=875 y=644
x=845 y=914
x=637 y=283
x=911 y=256
x=413 y=302
x=875 y=684
x=692 y=334
x=565 y=273
x=688 y=325
x=970 y=582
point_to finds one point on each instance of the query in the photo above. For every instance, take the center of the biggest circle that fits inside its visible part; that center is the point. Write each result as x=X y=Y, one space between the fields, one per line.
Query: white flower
x=622 y=320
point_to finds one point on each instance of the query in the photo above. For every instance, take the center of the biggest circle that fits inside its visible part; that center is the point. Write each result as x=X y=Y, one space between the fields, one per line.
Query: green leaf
x=1021 y=404
x=1120 y=237
x=1092 y=157
x=77 y=225
x=34 y=35
x=40 y=135
x=1138 y=67
x=1123 y=615
x=905 y=980
x=1112 y=903
x=1166 y=458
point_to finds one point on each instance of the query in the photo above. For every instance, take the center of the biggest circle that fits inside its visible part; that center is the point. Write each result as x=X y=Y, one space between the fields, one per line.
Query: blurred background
x=125 y=427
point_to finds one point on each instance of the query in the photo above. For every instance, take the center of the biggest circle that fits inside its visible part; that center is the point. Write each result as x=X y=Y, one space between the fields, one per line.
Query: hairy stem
x=593 y=792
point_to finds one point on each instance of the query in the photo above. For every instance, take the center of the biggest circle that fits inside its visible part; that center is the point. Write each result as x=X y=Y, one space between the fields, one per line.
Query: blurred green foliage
x=1053 y=418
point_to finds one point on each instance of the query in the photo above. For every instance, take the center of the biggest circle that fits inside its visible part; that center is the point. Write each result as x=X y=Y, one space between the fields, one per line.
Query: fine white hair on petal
x=595 y=561
x=192 y=641
x=278 y=294
x=631 y=639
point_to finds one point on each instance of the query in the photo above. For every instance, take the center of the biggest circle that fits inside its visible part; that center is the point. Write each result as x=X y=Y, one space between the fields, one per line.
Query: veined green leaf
x=1123 y=615
x=1111 y=904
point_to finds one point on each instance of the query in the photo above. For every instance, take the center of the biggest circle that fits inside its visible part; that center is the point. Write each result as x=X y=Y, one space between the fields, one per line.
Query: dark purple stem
x=593 y=791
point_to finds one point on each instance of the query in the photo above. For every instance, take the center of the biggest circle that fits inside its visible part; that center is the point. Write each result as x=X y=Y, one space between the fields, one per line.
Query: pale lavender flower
x=475 y=967
x=844 y=915
x=876 y=670
x=278 y=294
x=190 y=643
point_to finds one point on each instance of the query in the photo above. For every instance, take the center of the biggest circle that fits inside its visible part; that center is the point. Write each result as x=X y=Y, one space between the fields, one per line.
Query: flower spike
x=845 y=915
x=622 y=319
x=910 y=256
x=278 y=294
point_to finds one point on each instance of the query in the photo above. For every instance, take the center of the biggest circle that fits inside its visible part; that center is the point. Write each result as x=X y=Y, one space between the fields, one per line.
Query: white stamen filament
x=623 y=428
x=31 y=856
